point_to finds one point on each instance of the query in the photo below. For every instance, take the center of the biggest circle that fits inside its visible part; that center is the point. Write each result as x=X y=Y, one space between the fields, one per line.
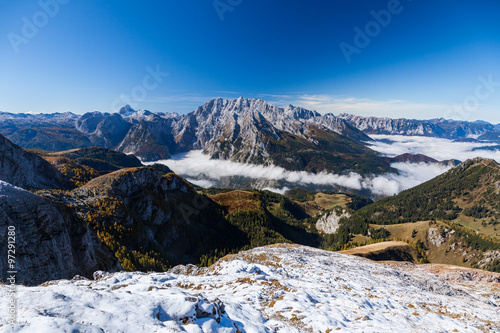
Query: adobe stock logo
x=372 y=29
x=484 y=90
x=31 y=27
x=223 y=6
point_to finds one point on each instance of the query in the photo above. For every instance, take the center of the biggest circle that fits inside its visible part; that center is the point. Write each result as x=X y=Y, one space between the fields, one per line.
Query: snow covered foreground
x=281 y=288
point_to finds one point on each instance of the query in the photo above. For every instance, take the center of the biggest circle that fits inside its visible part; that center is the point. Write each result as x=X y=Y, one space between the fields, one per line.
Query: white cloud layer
x=439 y=149
x=201 y=170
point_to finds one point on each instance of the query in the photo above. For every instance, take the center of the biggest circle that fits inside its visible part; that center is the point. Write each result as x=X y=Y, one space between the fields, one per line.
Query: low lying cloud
x=201 y=170
x=439 y=149
x=206 y=183
x=276 y=190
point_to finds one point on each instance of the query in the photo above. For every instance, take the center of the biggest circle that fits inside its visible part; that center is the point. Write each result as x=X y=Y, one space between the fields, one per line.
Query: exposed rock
x=462 y=274
x=162 y=213
x=110 y=131
x=188 y=269
x=150 y=138
x=25 y=169
x=51 y=242
x=329 y=223
x=89 y=121
x=225 y=128
x=489 y=258
x=435 y=237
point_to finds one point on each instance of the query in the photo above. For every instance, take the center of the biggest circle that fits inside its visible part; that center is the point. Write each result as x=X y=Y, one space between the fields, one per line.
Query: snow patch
x=280 y=288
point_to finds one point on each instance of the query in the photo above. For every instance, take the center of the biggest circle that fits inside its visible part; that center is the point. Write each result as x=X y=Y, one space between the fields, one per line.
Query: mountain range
x=240 y=130
x=438 y=127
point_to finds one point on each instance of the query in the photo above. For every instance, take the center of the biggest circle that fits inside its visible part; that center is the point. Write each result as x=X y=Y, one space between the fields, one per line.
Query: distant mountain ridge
x=438 y=127
x=242 y=130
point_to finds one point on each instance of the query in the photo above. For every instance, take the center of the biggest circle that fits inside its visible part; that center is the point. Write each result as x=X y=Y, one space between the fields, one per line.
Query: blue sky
x=433 y=59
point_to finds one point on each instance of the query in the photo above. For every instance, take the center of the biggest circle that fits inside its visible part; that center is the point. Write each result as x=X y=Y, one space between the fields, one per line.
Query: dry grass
x=324 y=202
x=235 y=200
x=375 y=247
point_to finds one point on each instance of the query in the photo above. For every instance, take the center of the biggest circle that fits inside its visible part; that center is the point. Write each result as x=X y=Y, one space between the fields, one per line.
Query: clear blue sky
x=92 y=54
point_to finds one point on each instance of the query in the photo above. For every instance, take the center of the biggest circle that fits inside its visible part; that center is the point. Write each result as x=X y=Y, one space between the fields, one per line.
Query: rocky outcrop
x=89 y=121
x=254 y=131
x=126 y=184
x=151 y=139
x=489 y=258
x=25 y=169
x=110 y=131
x=375 y=125
x=147 y=211
x=329 y=223
x=436 y=237
x=51 y=242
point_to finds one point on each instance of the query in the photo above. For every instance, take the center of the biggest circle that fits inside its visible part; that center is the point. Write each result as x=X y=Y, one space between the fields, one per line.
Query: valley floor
x=279 y=288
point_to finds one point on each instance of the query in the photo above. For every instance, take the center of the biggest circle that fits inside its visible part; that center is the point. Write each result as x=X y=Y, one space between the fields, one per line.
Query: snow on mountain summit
x=126 y=111
x=279 y=288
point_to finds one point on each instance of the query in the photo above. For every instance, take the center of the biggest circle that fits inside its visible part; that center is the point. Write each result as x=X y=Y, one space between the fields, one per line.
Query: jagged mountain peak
x=126 y=111
x=298 y=112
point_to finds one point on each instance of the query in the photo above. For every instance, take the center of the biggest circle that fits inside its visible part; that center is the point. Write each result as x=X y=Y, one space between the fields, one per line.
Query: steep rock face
x=213 y=118
x=340 y=126
x=126 y=184
x=51 y=242
x=154 y=215
x=142 y=133
x=150 y=137
x=243 y=139
x=126 y=111
x=89 y=121
x=110 y=131
x=329 y=223
x=455 y=129
x=25 y=169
